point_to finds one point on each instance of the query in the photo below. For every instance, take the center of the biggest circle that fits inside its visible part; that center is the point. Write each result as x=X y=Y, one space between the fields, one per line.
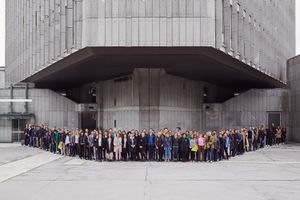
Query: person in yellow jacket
x=210 y=142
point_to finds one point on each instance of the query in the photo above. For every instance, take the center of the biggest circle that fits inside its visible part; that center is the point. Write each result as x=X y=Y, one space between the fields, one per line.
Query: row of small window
x=250 y=20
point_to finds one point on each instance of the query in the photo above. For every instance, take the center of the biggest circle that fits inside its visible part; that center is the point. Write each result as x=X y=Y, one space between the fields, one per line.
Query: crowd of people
x=150 y=145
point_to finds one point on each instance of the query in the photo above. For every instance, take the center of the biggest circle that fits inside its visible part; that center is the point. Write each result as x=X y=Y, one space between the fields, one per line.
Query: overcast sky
x=2 y=30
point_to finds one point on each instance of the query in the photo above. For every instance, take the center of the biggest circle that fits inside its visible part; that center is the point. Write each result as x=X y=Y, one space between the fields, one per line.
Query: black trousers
x=184 y=155
x=132 y=155
x=99 y=153
x=124 y=154
x=90 y=152
x=81 y=151
x=160 y=153
x=151 y=149
x=143 y=153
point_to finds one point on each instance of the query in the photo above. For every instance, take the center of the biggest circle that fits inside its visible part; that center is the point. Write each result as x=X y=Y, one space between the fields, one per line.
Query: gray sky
x=2 y=30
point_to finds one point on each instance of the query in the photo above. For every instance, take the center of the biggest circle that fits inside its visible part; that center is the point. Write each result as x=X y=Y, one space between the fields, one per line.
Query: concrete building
x=294 y=83
x=2 y=76
x=196 y=64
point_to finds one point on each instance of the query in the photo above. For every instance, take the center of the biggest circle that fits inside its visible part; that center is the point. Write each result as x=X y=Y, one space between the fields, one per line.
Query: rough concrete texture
x=40 y=33
x=165 y=100
x=271 y=173
x=150 y=98
x=294 y=93
x=48 y=107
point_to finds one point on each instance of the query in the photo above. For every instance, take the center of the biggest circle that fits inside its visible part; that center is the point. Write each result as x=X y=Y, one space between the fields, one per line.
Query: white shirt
x=67 y=141
x=76 y=139
x=100 y=142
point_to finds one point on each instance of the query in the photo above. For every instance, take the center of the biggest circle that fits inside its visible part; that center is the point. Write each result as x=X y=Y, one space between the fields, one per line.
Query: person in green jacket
x=56 y=134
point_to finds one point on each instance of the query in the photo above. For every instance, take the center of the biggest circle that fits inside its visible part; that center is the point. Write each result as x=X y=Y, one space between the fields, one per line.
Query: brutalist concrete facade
x=171 y=101
x=40 y=33
x=47 y=107
x=294 y=86
x=150 y=98
x=194 y=64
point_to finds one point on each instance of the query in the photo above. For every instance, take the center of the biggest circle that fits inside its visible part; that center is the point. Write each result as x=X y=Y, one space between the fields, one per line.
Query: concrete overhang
x=208 y=64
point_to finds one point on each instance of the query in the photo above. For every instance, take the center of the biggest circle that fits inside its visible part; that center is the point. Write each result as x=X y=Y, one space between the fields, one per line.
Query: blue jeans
x=175 y=152
x=167 y=153
x=210 y=154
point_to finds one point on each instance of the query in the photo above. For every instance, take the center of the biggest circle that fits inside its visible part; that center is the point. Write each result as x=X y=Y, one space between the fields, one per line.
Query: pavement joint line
x=21 y=166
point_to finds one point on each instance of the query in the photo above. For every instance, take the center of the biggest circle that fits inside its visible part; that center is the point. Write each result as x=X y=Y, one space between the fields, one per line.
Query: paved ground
x=272 y=173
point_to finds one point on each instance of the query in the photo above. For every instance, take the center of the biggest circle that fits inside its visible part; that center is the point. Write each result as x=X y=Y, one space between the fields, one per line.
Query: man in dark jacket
x=184 y=148
x=124 y=146
x=132 y=146
x=151 y=144
x=142 y=144
x=159 y=145
x=26 y=135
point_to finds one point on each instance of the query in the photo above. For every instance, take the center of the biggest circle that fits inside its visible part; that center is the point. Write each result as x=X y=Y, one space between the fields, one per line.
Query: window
x=115 y=101
x=115 y=123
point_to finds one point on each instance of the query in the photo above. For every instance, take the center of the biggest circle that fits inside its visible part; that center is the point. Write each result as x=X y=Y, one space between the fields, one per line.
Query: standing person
x=222 y=146
x=167 y=147
x=86 y=144
x=90 y=145
x=227 y=143
x=142 y=144
x=193 y=147
x=95 y=145
x=118 y=146
x=99 y=146
x=77 y=145
x=30 y=135
x=72 y=144
x=104 y=144
x=201 y=144
x=250 y=139
x=283 y=135
x=210 y=146
x=132 y=146
x=47 y=139
x=56 y=141
x=52 y=141
x=261 y=137
x=278 y=135
x=273 y=133
x=151 y=144
x=110 y=147
x=62 y=138
x=184 y=148
x=269 y=137
x=255 y=139
x=67 y=145
x=175 y=148
x=125 y=146
x=26 y=135
x=159 y=145
x=81 y=144
x=216 y=148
